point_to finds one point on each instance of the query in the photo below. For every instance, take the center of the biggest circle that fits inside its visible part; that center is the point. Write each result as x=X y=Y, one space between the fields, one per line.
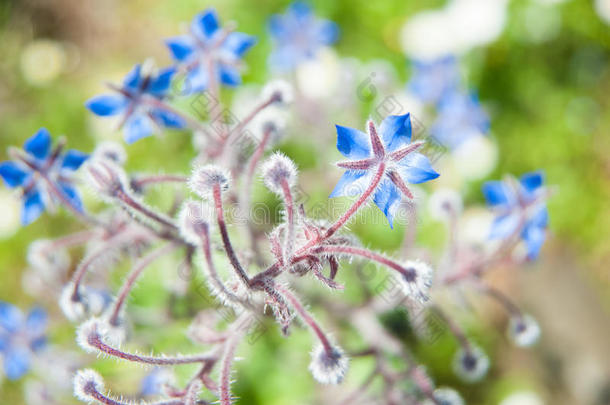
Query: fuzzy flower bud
x=193 y=218
x=445 y=203
x=44 y=257
x=86 y=303
x=280 y=91
x=106 y=178
x=277 y=169
x=328 y=368
x=524 y=331
x=417 y=280
x=446 y=396
x=86 y=384
x=471 y=364
x=205 y=178
x=110 y=151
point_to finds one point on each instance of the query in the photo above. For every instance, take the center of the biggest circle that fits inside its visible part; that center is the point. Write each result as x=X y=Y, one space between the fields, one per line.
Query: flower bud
x=328 y=368
x=86 y=383
x=277 y=169
x=87 y=302
x=417 y=280
x=444 y=203
x=446 y=396
x=524 y=331
x=193 y=218
x=280 y=91
x=106 y=178
x=111 y=151
x=205 y=178
x=44 y=257
x=471 y=364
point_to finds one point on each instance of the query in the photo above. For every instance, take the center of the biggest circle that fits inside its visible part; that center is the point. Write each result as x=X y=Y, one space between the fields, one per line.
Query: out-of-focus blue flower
x=459 y=117
x=209 y=49
x=391 y=147
x=20 y=337
x=39 y=171
x=521 y=208
x=139 y=100
x=431 y=80
x=298 y=35
x=153 y=382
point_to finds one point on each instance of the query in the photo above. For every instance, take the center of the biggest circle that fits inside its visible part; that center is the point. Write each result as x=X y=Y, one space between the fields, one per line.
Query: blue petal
x=106 y=104
x=73 y=159
x=395 y=131
x=33 y=207
x=196 y=80
x=229 y=75
x=36 y=322
x=138 y=126
x=534 y=237
x=327 y=33
x=168 y=119
x=532 y=181
x=12 y=174
x=352 y=183
x=39 y=144
x=504 y=226
x=133 y=79
x=300 y=10
x=153 y=382
x=181 y=47
x=239 y=43
x=16 y=362
x=161 y=83
x=72 y=195
x=277 y=28
x=416 y=168
x=205 y=24
x=387 y=198
x=540 y=218
x=11 y=317
x=353 y=144
x=497 y=193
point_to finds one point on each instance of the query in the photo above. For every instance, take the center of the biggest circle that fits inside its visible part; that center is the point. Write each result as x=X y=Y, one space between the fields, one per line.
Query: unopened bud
x=205 y=178
x=277 y=170
x=328 y=368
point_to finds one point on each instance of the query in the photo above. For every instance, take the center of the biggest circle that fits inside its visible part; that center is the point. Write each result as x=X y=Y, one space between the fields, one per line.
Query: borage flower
x=460 y=117
x=209 y=51
x=431 y=80
x=298 y=35
x=43 y=174
x=139 y=100
x=521 y=208
x=20 y=338
x=391 y=152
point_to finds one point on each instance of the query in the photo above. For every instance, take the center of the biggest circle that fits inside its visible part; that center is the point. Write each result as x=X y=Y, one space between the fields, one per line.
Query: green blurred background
x=548 y=99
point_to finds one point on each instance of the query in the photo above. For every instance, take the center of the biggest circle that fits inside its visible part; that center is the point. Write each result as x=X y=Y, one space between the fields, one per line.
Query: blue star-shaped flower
x=391 y=147
x=20 y=338
x=460 y=116
x=209 y=48
x=298 y=35
x=521 y=207
x=431 y=80
x=139 y=100
x=39 y=170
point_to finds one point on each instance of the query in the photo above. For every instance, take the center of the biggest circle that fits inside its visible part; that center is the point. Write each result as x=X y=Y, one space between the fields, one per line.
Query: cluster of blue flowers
x=382 y=162
x=459 y=113
x=20 y=337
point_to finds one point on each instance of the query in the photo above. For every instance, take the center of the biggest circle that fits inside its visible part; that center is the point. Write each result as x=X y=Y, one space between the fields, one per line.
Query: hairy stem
x=138 y=268
x=241 y=273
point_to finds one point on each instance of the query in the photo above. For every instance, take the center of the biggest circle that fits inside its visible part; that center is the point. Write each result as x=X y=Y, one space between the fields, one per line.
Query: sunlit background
x=541 y=69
